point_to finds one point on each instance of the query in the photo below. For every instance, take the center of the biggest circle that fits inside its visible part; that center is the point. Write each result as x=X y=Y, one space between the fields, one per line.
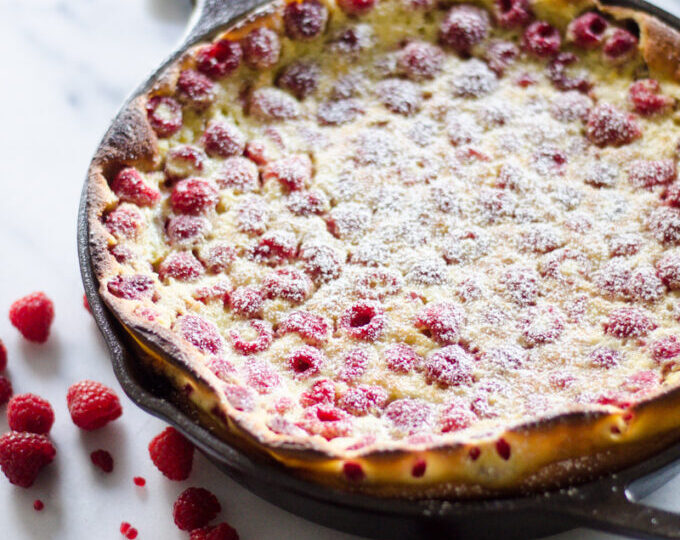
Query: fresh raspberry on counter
x=31 y=413
x=172 y=454
x=32 y=315
x=102 y=459
x=195 y=508
x=23 y=455
x=92 y=405
x=222 y=531
x=3 y=356
x=5 y=389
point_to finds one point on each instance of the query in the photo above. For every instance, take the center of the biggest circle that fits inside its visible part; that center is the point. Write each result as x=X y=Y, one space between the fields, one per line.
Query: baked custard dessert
x=410 y=248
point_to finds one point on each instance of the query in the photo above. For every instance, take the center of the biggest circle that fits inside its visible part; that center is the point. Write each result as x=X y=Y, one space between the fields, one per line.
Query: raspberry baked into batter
x=407 y=248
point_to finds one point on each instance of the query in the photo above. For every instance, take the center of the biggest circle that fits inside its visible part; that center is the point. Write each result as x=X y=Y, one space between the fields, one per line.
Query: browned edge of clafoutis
x=552 y=452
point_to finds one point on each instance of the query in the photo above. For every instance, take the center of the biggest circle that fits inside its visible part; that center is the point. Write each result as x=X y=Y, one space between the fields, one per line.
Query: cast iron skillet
x=608 y=504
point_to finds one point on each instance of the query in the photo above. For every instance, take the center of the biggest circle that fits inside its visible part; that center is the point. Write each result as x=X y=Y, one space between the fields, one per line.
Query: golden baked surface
x=407 y=226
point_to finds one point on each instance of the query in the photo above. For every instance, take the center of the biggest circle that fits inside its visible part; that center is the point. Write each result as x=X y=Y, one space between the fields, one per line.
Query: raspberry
x=541 y=325
x=5 y=389
x=348 y=220
x=666 y=348
x=587 y=31
x=299 y=78
x=541 y=39
x=305 y=203
x=239 y=397
x=399 y=96
x=239 y=174
x=500 y=55
x=32 y=315
x=409 y=415
x=252 y=215
x=218 y=291
x=326 y=420
x=195 y=508
x=312 y=328
x=269 y=104
x=557 y=73
x=184 y=160
x=195 y=89
x=628 y=322
x=356 y=7
x=363 y=320
x=92 y=405
x=261 y=342
x=165 y=115
x=123 y=222
x=246 y=301
x=256 y=152
x=671 y=195
x=647 y=99
x=521 y=285
x=305 y=361
x=186 y=231
x=294 y=172
x=194 y=196
x=23 y=455
x=3 y=356
x=442 y=321
x=321 y=392
x=276 y=247
x=132 y=287
x=668 y=269
x=222 y=139
x=320 y=262
x=354 y=472
x=624 y=244
x=608 y=126
x=570 y=106
x=305 y=20
x=219 y=59
x=261 y=376
x=401 y=358
x=604 y=357
x=338 y=112
x=420 y=60
x=261 y=48
x=354 y=365
x=512 y=13
x=645 y=285
x=503 y=449
x=449 y=366
x=463 y=27
x=455 y=416
x=217 y=257
x=363 y=400
x=172 y=454
x=129 y=186
x=664 y=224
x=649 y=173
x=507 y=358
x=103 y=460
x=287 y=283
x=28 y=412
x=222 y=531
x=619 y=46
x=180 y=265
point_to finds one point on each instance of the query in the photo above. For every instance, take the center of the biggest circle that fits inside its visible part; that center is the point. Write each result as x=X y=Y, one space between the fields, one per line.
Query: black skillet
x=608 y=504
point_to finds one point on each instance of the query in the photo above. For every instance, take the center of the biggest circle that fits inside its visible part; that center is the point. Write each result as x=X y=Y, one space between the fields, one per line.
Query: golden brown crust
x=564 y=449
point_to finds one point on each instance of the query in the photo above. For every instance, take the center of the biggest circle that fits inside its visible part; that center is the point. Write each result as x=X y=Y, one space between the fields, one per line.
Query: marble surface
x=67 y=65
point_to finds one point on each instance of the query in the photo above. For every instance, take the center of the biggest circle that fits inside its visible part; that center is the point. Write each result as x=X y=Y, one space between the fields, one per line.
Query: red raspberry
x=449 y=366
x=500 y=55
x=172 y=453
x=222 y=531
x=194 y=196
x=305 y=361
x=604 y=357
x=276 y=247
x=195 y=89
x=521 y=285
x=507 y=358
x=608 y=126
x=268 y=104
x=587 y=31
x=620 y=46
x=664 y=224
x=409 y=415
x=123 y=222
x=23 y=455
x=294 y=172
x=628 y=322
x=218 y=291
x=420 y=60
x=92 y=405
x=130 y=187
x=3 y=356
x=356 y=7
x=305 y=203
x=28 y=412
x=664 y=349
x=668 y=269
x=32 y=315
x=321 y=392
x=246 y=301
x=542 y=39
x=647 y=99
x=354 y=365
x=443 y=322
x=180 y=265
x=455 y=416
x=219 y=59
x=239 y=397
x=557 y=73
x=463 y=27
x=222 y=139
x=320 y=262
x=401 y=358
x=165 y=115
x=5 y=389
x=217 y=257
x=261 y=48
x=312 y=328
x=287 y=283
x=305 y=20
x=624 y=244
x=252 y=215
x=261 y=376
x=338 y=112
x=512 y=13
x=671 y=195
x=399 y=96
x=195 y=508
x=184 y=160
x=541 y=325
x=644 y=173
x=299 y=78
x=263 y=338
x=363 y=320
x=131 y=287
x=103 y=460
x=645 y=285
x=239 y=174
x=363 y=400
x=326 y=420
x=378 y=284
x=256 y=152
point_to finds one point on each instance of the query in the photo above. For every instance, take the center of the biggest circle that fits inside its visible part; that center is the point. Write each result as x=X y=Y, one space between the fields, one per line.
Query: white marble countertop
x=67 y=66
